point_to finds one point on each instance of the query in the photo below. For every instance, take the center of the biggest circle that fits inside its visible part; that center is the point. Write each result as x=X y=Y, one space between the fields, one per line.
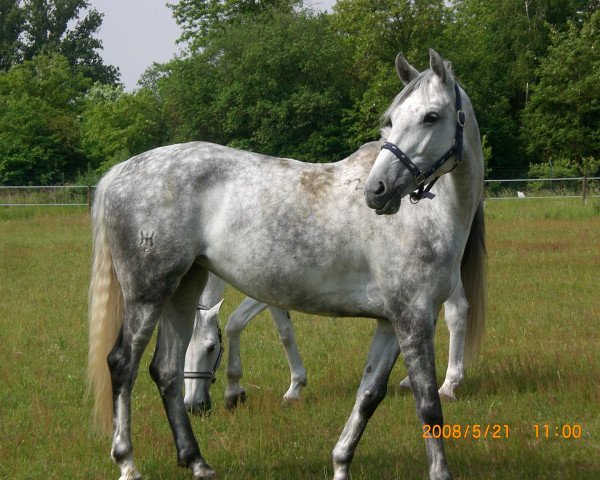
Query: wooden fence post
x=89 y=198
x=584 y=190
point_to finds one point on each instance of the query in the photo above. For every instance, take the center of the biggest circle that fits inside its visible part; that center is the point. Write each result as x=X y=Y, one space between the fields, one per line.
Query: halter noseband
x=456 y=150
x=208 y=374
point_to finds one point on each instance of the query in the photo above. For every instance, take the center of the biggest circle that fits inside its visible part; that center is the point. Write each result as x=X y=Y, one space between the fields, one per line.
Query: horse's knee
x=166 y=379
x=286 y=336
x=235 y=325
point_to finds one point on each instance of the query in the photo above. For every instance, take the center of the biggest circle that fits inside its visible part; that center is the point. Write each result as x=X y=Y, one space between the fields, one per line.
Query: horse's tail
x=105 y=303
x=472 y=272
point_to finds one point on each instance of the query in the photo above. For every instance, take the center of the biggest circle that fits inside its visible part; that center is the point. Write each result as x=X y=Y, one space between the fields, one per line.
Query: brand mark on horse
x=147 y=239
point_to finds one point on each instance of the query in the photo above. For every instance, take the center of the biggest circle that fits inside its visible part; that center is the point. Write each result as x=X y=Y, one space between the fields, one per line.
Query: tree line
x=279 y=78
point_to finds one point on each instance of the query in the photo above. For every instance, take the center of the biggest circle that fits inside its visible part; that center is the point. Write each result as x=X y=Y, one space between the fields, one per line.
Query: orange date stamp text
x=476 y=431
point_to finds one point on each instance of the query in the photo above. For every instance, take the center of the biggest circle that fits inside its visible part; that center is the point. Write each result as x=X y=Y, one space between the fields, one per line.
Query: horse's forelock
x=410 y=87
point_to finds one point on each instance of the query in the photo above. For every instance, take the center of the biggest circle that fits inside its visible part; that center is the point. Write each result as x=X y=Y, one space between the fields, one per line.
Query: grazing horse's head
x=202 y=359
x=426 y=119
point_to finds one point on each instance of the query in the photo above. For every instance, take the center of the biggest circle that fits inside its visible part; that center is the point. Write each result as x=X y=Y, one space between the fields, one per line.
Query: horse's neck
x=364 y=158
x=462 y=188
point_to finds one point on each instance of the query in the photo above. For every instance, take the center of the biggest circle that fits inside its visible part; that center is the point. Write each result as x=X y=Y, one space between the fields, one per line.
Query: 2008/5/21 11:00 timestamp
x=541 y=431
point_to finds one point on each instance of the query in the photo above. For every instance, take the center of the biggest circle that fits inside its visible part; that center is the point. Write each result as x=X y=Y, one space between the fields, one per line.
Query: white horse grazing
x=203 y=356
x=295 y=235
x=204 y=352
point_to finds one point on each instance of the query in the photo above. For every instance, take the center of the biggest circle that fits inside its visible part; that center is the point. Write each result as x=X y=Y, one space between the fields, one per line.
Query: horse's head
x=426 y=120
x=202 y=360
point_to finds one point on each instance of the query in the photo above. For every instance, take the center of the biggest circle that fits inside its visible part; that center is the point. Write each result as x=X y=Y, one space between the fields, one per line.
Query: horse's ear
x=215 y=310
x=405 y=70
x=437 y=65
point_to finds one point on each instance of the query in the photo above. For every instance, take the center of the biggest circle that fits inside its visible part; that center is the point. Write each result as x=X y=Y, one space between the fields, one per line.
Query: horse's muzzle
x=384 y=200
x=199 y=408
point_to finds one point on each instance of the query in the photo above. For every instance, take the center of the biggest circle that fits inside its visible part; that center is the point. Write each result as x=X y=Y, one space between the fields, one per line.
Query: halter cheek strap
x=456 y=149
x=207 y=374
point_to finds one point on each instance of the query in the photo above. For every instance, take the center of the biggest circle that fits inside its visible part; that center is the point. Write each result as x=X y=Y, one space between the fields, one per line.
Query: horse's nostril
x=380 y=189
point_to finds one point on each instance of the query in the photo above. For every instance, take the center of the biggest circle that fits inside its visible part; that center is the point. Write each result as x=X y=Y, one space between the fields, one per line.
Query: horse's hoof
x=290 y=400
x=133 y=475
x=208 y=475
x=235 y=400
x=202 y=471
x=446 y=396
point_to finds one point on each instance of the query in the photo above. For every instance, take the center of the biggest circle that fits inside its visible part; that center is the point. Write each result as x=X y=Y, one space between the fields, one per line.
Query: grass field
x=540 y=365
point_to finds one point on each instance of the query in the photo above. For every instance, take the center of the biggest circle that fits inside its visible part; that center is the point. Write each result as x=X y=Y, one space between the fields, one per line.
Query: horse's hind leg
x=123 y=361
x=373 y=387
x=288 y=340
x=166 y=368
x=456 y=314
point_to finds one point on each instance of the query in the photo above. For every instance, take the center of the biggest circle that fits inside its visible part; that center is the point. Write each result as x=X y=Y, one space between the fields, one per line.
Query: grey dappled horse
x=295 y=235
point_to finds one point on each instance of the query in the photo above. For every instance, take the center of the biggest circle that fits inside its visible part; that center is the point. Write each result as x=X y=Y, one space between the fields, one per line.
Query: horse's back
x=261 y=223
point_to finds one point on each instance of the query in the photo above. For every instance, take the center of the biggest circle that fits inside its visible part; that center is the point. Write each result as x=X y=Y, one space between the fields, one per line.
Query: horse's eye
x=211 y=348
x=430 y=118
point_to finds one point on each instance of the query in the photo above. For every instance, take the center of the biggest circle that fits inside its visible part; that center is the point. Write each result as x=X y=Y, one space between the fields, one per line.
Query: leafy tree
x=116 y=125
x=46 y=29
x=39 y=135
x=202 y=20
x=562 y=120
x=188 y=88
x=496 y=47
x=33 y=27
x=375 y=31
x=11 y=26
x=278 y=86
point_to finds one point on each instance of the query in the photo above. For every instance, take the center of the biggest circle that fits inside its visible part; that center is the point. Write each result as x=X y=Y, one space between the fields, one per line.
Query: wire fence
x=525 y=188
x=46 y=196
x=532 y=188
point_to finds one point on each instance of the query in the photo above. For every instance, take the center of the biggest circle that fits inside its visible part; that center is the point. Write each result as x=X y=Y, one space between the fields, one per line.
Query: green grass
x=540 y=364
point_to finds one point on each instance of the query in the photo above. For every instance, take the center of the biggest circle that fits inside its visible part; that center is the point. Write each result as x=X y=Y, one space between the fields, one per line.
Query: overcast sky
x=136 y=33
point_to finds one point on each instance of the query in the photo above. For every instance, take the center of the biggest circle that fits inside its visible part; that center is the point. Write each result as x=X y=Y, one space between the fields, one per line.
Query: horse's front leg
x=456 y=311
x=381 y=358
x=247 y=310
x=415 y=331
x=288 y=340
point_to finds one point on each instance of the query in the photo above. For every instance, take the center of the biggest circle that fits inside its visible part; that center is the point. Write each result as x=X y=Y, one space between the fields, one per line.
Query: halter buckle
x=460 y=118
x=420 y=179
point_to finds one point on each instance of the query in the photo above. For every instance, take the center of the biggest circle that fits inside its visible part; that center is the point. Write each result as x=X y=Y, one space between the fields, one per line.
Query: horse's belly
x=330 y=288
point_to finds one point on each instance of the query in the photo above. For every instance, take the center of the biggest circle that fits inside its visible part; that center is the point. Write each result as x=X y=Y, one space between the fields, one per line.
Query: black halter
x=456 y=150
x=207 y=375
